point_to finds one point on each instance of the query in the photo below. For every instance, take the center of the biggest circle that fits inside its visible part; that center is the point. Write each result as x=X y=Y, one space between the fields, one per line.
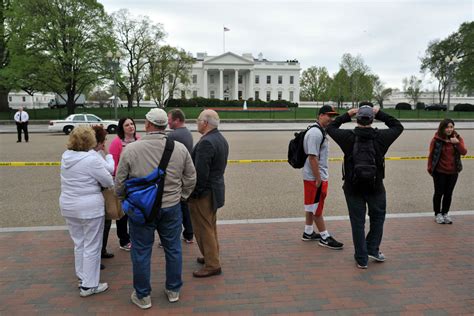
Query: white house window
x=170 y=78
x=23 y=99
x=280 y=79
x=212 y=94
x=10 y=99
x=211 y=78
x=195 y=78
x=269 y=79
x=257 y=95
x=240 y=95
x=292 y=79
x=269 y=95
x=226 y=79
x=257 y=79
x=183 y=94
x=291 y=96
x=280 y=93
x=240 y=79
x=195 y=94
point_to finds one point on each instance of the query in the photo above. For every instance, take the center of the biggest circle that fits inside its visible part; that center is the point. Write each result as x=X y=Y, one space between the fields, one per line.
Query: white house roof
x=227 y=59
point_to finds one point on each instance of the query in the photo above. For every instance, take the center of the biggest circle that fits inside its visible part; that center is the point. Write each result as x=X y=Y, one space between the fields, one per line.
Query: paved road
x=29 y=195
x=260 y=126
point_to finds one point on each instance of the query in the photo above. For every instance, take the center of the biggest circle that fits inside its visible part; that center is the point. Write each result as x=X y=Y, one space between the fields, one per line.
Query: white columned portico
x=250 y=94
x=221 y=84
x=205 y=83
x=236 y=87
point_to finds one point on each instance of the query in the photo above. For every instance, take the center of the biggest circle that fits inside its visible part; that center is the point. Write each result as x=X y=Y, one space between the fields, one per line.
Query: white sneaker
x=143 y=303
x=102 y=287
x=439 y=218
x=447 y=219
x=172 y=296
x=126 y=247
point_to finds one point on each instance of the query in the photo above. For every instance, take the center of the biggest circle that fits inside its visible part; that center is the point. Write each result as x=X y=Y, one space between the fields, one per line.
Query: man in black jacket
x=210 y=159
x=359 y=196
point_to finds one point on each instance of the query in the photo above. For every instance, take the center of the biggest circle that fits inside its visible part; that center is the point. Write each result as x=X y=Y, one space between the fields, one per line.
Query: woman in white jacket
x=83 y=175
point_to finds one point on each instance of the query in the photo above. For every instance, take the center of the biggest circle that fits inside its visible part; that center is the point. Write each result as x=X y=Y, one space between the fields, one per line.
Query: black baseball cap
x=328 y=110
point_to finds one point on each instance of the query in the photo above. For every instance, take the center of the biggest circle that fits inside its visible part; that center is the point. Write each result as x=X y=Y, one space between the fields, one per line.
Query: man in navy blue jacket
x=358 y=197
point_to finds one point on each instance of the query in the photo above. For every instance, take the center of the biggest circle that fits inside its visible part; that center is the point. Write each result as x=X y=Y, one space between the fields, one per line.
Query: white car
x=73 y=120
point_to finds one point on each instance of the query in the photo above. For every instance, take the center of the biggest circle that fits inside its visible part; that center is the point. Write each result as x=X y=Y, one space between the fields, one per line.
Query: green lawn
x=192 y=113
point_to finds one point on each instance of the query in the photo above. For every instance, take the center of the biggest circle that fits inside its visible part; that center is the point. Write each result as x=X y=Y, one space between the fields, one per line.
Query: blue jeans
x=356 y=204
x=168 y=224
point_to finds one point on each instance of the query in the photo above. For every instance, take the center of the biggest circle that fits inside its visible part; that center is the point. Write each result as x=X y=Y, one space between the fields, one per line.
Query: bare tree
x=412 y=88
x=380 y=92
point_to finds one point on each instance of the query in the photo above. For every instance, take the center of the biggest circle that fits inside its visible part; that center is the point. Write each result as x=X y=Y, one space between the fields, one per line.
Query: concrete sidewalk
x=267 y=269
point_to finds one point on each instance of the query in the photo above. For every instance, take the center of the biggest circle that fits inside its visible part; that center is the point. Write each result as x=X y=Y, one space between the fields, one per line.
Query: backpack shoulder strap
x=323 y=132
x=165 y=159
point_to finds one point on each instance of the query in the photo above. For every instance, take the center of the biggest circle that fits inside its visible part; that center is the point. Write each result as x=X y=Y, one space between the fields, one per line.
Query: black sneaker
x=378 y=257
x=311 y=237
x=331 y=243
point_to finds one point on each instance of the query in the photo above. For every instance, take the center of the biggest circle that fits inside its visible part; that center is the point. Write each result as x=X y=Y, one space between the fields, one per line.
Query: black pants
x=357 y=205
x=443 y=191
x=23 y=126
x=187 y=224
x=122 y=232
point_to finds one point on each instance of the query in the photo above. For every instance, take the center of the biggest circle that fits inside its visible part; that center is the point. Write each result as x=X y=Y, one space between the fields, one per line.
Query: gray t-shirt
x=182 y=135
x=311 y=143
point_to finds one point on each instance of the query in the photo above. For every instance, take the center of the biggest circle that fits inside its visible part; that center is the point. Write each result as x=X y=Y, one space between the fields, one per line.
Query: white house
x=232 y=77
x=21 y=98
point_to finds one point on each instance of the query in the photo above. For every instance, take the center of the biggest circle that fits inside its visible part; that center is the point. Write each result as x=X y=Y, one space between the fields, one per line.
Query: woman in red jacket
x=444 y=165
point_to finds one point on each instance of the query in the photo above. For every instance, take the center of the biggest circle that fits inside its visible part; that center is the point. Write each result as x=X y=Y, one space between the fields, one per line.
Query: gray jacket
x=210 y=159
x=140 y=158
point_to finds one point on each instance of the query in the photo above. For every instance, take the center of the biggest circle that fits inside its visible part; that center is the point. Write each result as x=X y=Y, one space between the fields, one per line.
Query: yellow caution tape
x=243 y=161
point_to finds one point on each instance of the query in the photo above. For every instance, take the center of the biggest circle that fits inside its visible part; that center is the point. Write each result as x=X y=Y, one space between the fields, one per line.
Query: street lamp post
x=114 y=61
x=451 y=61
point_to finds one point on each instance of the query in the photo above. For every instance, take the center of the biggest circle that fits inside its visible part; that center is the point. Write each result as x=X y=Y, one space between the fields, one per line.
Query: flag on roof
x=226 y=29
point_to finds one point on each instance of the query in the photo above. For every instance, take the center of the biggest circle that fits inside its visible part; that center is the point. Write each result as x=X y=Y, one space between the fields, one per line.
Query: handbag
x=113 y=206
x=143 y=195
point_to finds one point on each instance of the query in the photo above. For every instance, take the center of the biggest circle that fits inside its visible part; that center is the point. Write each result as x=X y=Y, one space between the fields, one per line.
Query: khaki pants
x=204 y=221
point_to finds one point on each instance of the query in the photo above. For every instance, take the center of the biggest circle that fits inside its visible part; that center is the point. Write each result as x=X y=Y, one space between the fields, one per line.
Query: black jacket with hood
x=383 y=138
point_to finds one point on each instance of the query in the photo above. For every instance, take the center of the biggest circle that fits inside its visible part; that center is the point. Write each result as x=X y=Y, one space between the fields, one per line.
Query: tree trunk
x=129 y=100
x=71 y=106
x=4 y=99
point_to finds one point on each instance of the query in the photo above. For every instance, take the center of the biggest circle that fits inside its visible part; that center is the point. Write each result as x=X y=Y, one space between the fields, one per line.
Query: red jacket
x=447 y=162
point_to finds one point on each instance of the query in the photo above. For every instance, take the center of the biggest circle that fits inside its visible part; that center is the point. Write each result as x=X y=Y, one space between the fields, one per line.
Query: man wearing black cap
x=315 y=178
x=360 y=189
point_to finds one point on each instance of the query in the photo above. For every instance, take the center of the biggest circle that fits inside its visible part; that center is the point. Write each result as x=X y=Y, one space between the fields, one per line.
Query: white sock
x=308 y=229
x=324 y=234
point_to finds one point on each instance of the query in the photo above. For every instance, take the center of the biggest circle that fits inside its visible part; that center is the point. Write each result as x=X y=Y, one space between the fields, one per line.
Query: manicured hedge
x=216 y=103
x=464 y=107
x=420 y=106
x=403 y=106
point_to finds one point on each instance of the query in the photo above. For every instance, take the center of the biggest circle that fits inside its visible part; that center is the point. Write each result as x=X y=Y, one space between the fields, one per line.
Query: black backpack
x=364 y=162
x=296 y=155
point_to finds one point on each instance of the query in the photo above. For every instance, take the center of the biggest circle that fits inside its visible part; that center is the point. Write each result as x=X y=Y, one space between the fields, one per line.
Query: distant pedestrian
x=139 y=159
x=363 y=172
x=444 y=165
x=180 y=133
x=83 y=175
x=210 y=159
x=315 y=179
x=21 y=119
x=126 y=134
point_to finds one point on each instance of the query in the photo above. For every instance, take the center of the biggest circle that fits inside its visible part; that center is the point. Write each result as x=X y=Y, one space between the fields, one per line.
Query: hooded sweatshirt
x=83 y=174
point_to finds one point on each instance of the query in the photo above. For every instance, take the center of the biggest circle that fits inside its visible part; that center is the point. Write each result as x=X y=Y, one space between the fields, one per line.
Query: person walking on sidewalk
x=315 y=179
x=210 y=159
x=126 y=134
x=21 y=119
x=363 y=173
x=83 y=175
x=139 y=159
x=444 y=165
x=180 y=133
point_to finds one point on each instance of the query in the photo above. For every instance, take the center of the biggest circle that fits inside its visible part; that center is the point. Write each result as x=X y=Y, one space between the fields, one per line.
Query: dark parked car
x=436 y=107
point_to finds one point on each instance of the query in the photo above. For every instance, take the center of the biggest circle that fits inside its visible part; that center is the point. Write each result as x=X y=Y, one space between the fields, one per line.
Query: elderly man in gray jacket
x=138 y=160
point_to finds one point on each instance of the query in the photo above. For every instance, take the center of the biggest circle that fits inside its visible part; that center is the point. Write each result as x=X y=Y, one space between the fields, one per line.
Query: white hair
x=211 y=120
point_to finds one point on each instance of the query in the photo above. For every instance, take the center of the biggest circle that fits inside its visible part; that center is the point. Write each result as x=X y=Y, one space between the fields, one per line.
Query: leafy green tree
x=137 y=38
x=68 y=39
x=380 y=92
x=360 y=78
x=315 y=83
x=170 y=69
x=339 y=90
x=465 y=71
x=412 y=88
x=5 y=6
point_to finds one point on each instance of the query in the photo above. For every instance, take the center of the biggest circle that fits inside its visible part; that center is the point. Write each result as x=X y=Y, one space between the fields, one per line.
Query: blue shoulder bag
x=143 y=195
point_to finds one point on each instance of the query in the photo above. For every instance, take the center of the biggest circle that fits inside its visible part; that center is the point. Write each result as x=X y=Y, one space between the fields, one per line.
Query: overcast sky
x=391 y=36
